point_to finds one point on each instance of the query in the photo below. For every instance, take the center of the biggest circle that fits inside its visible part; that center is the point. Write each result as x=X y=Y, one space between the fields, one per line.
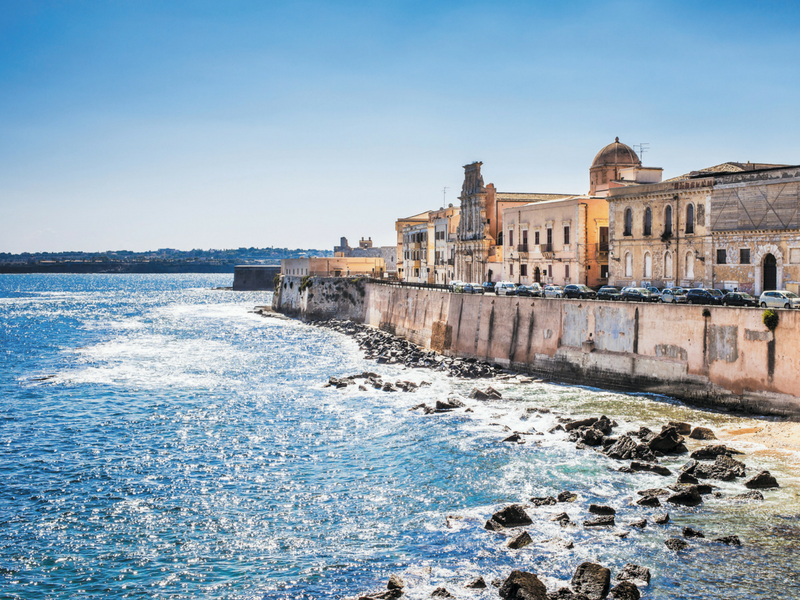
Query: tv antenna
x=444 y=195
x=643 y=147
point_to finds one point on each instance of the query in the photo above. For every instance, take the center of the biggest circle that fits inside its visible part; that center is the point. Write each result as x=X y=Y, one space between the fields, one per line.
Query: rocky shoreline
x=632 y=452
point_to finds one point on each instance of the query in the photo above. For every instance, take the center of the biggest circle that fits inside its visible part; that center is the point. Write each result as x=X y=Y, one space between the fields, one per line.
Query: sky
x=145 y=124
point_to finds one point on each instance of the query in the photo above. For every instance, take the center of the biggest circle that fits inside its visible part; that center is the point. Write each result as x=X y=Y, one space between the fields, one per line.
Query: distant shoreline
x=117 y=267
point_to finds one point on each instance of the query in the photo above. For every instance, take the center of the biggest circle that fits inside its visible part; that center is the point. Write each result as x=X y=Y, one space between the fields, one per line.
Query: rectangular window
x=524 y=237
x=722 y=256
x=549 y=270
x=744 y=256
x=566 y=235
x=604 y=271
x=523 y=270
x=536 y=237
x=549 y=237
x=510 y=237
x=794 y=255
x=566 y=272
x=511 y=269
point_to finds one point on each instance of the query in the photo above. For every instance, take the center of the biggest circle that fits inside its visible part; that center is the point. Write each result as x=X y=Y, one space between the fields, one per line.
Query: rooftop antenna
x=444 y=196
x=643 y=147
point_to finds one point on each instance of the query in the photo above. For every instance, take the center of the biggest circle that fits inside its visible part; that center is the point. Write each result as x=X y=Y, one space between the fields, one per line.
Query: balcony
x=601 y=251
x=451 y=261
x=546 y=250
x=522 y=248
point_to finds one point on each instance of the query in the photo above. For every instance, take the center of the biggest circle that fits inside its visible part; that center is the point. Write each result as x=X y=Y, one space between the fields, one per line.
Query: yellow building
x=338 y=266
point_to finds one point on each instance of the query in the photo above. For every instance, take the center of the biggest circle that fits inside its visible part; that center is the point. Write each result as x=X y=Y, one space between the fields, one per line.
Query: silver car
x=779 y=299
x=505 y=288
x=674 y=295
x=553 y=291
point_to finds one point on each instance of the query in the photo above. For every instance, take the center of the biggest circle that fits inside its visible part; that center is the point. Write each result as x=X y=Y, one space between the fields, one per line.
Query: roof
x=726 y=167
x=616 y=154
x=528 y=197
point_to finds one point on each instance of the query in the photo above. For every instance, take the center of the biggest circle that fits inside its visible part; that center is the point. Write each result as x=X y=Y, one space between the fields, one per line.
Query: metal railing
x=522 y=248
x=546 y=248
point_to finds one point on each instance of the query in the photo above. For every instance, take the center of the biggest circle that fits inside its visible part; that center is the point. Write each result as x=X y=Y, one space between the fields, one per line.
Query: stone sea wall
x=728 y=359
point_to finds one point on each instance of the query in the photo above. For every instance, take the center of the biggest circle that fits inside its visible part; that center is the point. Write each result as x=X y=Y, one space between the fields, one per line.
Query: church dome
x=616 y=154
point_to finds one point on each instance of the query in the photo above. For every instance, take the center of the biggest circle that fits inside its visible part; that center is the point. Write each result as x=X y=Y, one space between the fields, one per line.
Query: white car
x=779 y=299
x=674 y=295
x=553 y=291
x=505 y=288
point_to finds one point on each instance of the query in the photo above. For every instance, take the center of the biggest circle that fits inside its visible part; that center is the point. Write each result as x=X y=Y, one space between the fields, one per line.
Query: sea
x=160 y=440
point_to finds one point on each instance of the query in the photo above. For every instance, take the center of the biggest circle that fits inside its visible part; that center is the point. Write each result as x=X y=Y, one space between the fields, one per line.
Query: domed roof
x=617 y=154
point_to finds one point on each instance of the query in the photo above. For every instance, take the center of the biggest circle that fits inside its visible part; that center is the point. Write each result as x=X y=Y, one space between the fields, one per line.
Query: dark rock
x=704 y=489
x=451 y=404
x=691 y=532
x=652 y=501
x=477 y=584
x=543 y=501
x=592 y=437
x=676 y=544
x=489 y=394
x=689 y=467
x=761 y=481
x=621 y=534
x=521 y=585
x=558 y=427
x=751 y=495
x=441 y=592
x=395 y=583
x=387 y=595
x=702 y=433
x=686 y=478
x=598 y=509
x=520 y=541
x=634 y=572
x=512 y=516
x=601 y=521
x=625 y=590
x=667 y=441
x=623 y=449
x=658 y=469
x=680 y=427
x=567 y=496
x=566 y=594
x=562 y=518
x=661 y=519
x=591 y=579
x=653 y=492
x=686 y=497
x=730 y=540
x=582 y=423
x=604 y=425
x=644 y=434
x=492 y=525
x=624 y=469
x=724 y=468
x=711 y=452
x=639 y=523
x=515 y=438
x=388 y=387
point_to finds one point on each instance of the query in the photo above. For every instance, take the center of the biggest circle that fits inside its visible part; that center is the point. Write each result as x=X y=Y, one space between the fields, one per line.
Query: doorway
x=770 y=273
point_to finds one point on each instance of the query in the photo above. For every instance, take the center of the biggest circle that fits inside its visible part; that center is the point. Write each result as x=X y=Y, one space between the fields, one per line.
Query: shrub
x=770 y=319
x=276 y=281
x=706 y=313
x=305 y=283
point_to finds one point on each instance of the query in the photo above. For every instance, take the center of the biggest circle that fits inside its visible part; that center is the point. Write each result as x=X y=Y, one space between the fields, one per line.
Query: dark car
x=487 y=286
x=654 y=290
x=574 y=290
x=609 y=293
x=739 y=299
x=702 y=296
x=530 y=291
x=634 y=294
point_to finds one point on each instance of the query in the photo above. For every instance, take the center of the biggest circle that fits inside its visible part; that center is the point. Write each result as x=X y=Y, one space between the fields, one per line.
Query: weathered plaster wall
x=728 y=359
x=324 y=298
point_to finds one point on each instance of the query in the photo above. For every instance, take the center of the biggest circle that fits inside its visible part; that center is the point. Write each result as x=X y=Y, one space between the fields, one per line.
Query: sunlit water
x=158 y=440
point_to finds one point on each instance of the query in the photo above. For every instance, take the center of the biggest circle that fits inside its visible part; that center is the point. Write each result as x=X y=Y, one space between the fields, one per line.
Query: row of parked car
x=674 y=295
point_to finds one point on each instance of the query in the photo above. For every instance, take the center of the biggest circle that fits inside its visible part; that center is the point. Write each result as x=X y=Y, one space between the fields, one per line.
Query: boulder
x=634 y=572
x=520 y=541
x=751 y=495
x=623 y=449
x=702 y=433
x=625 y=590
x=730 y=540
x=592 y=437
x=395 y=583
x=680 y=427
x=387 y=595
x=512 y=516
x=567 y=496
x=761 y=481
x=675 y=544
x=691 y=532
x=441 y=592
x=477 y=584
x=711 y=452
x=543 y=501
x=724 y=468
x=667 y=441
x=644 y=434
x=686 y=497
x=581 y=423
x=521 y=585
x=639 y=523
x=563 y=519
x=599 y=509
x=653 y=492
x=565 y=594
x=658 y=469
x=601 y=521
x=686 y=478
x=591 y=579
x=662 y=519
x=651 y=501
x=515 y=438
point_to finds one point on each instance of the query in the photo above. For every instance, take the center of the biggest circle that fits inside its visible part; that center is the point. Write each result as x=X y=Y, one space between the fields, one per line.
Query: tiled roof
x=528 y=197
x=727 y=167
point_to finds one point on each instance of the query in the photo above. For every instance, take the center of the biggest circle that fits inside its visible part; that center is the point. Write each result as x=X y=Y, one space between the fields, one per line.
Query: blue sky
x=146 y=124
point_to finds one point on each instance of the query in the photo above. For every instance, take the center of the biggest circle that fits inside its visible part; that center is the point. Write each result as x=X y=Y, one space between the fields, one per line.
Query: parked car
x=703 y=296
x=505 y=288
x=472 y=288
x=719 y=295
x=674 y=295
x=654 y=291
x=532 y=291
x=637 y=294
x=553 y=291
x=487 y=286
x=779 y=299
x=609 y=292
x=739 y=299
x=576 y=290
x=457 y=286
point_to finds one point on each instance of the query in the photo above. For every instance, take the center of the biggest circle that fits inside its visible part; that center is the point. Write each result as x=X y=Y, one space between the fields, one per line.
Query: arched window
x=690 y=218
x=689 y=267
x=668 y=221
x=648 y=265
x=668 y=273
x=628 y=264
x=648 y=221
x=628 y=222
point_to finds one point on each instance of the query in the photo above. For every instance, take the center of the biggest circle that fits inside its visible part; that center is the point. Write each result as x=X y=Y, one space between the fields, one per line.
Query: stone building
x=445 y=224
x=428 y=247
x=417 y=247
x=557 y=242
x=399 y=227
x=365 y=249
x=479 y=236
x=339 y=266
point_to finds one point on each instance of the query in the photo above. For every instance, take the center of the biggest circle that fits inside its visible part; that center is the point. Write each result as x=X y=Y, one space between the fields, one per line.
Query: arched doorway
x=770 y=273
x=537 y=275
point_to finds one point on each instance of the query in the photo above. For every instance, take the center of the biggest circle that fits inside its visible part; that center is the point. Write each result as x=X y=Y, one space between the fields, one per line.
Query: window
x=510 y=237
x=648 y=221
x=648 y=265
x=523 y=270
x=744 y=256
x=794 y=255
x=549 y=237
x=511 y=269
x=524 y=237
x=668 y=221
x=628 y=264
x=689 y=265
x=566 y=235
x=566 y=271
x=549 y=270
x=536 y=237
x=668 y=265
x=722 y=256
x=604 y=271
x=628 y=222
x=690 y=218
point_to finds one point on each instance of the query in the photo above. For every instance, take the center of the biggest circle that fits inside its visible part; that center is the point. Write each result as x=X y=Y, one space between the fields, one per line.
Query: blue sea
x=159 y=440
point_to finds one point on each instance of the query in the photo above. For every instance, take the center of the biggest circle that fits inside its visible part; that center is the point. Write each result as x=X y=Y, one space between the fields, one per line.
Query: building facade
x=339 y=266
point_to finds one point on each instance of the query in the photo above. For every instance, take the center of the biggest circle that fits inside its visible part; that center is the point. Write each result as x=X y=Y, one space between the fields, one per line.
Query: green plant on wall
x=706 y=313
x=276 y=281
x=305 y=283
x=770 y=319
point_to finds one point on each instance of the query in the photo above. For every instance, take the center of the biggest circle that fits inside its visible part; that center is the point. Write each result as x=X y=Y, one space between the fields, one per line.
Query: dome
x=616 y=154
